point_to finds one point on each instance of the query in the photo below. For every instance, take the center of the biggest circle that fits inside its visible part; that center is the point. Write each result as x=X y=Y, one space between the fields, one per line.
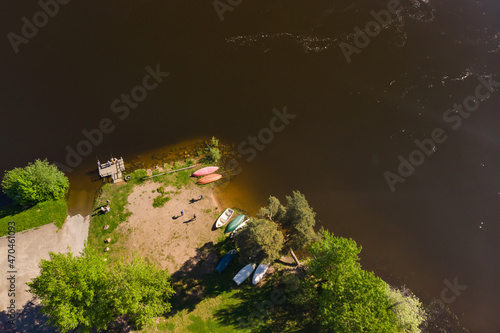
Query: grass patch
x=178 y=179
x=118 y=195
x=160 y=201
x=36 y=216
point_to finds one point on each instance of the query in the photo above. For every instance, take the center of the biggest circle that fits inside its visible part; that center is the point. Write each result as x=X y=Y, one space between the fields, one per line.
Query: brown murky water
x=352 y=121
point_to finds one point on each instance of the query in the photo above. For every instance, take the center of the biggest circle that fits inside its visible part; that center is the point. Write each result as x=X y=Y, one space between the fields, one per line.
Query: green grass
x=118 y=195
x=160 y=201
x=178 y=179
x=36 y=216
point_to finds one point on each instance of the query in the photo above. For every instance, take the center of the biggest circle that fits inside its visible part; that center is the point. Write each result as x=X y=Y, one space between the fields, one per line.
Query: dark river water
x=355 y=113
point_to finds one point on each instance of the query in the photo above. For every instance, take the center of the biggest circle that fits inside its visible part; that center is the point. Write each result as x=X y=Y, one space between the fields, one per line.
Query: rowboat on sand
x=225 y=261
x=238 y=228
x=234 y=223
x=210 y=178
x=205 y=171
x=259 y=273
x=243 y=274
x=224 y=217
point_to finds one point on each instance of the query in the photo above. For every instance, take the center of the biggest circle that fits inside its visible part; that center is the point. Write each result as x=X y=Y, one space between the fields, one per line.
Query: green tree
x=260 y=241
x=37 y=182
x=408 y=309
x=297 y=219
x=84 y=292
x=347 y=298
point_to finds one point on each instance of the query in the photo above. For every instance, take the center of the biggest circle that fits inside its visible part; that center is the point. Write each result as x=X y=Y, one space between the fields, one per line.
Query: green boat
x=234 y=223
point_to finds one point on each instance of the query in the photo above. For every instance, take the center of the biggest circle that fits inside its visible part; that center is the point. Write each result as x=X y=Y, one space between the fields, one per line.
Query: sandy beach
x=161 y=234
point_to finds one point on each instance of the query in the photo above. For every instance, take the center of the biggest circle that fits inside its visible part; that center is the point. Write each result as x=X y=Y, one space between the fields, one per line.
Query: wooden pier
x=113 y=168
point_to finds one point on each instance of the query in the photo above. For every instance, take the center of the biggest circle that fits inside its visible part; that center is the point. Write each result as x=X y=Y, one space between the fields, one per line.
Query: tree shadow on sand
x=197 y=278
x=264 y=308
x=29 y=319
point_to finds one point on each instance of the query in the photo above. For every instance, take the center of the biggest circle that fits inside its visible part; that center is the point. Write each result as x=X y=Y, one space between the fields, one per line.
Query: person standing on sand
x=194 y=217
x=182 y=212
x=201 y=196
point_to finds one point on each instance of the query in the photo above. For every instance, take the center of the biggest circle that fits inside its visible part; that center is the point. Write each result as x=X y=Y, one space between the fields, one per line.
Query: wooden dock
x=112 y=168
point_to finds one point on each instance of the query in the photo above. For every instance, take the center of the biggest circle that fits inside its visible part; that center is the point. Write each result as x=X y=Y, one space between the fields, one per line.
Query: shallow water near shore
x=352 y=121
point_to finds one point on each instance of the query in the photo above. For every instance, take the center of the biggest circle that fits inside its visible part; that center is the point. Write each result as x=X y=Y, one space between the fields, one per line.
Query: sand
x=161 y=234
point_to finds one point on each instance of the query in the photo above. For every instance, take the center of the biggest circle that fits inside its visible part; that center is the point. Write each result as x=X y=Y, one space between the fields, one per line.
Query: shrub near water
x=37 y=182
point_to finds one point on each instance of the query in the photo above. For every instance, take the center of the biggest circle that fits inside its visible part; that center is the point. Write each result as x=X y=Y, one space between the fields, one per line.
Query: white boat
x=259 y=273
x=224 y=217
x=239 y=228
x=244 y=273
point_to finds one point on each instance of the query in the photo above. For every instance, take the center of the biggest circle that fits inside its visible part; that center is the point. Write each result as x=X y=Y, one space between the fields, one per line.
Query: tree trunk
x=295 y=257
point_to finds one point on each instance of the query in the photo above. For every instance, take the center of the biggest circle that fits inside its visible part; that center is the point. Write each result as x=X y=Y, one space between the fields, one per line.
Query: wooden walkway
x=114 y=169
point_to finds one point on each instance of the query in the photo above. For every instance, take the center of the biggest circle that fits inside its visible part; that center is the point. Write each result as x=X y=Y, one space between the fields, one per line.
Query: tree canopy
x=408 y=309
x=87 y=293
x=297 y=219
x=37 y=182
x=260 y=241
x=345 y=297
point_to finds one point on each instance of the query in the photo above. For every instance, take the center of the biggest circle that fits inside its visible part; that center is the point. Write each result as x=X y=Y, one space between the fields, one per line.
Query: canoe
x=209 y=178
x=234 y=223
x=225 y=261
x=243 y=274
x=259 y=273
x=241 y=226
x=205 y=171
x=224 y=217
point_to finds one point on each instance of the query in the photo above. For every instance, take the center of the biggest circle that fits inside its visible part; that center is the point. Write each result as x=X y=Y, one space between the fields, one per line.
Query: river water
x=354 y=116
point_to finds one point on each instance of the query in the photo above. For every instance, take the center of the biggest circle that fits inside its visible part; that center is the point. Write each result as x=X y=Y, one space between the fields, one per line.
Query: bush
x=214 y=142
x=177 y=165
x=160 y=200
x=214 y=154
x=37 y=182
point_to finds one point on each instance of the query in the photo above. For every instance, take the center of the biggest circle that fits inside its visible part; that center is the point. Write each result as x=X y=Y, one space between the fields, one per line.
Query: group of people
x=194 y=216
x=193 y=200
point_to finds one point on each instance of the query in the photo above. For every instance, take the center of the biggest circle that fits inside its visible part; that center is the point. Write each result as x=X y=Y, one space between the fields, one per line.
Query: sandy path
x=34 y=245
x=168 y=241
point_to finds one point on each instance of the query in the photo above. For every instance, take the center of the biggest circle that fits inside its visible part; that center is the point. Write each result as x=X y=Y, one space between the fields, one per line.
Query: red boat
x=205 y=171
x=209 y=178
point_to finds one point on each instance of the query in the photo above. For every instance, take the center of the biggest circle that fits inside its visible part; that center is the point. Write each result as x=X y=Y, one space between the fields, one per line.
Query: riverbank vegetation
x=92 y=295
x=315 y=282
x=35 y=183
x=37 y=196
x=54 y=211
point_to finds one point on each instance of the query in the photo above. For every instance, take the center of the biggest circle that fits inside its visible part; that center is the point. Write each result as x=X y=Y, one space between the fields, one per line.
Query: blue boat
x=225 y=261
